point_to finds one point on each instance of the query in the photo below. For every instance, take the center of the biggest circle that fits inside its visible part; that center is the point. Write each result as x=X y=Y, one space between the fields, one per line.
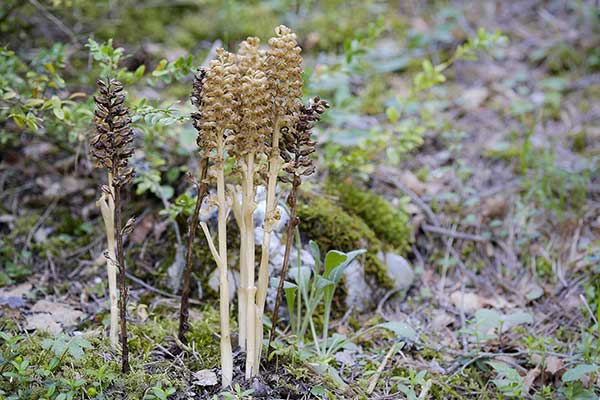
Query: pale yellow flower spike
x=219 y=120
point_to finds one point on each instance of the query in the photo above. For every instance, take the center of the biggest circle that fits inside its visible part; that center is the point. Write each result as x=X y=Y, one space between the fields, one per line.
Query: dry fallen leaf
x=471 y=302
x=494 y=207
x=205 y=377
x=441 y=320
x=411 y=181
x=553 y=364
x=530 y=378
x=143 y=228
x=52 y=317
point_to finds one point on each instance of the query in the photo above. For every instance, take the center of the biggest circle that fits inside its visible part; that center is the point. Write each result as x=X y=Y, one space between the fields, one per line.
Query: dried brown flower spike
x=202 y=189
x=296 y=148
x=112 y=146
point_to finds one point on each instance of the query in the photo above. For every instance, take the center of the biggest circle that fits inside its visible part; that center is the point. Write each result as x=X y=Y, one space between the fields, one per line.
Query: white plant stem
x=248 y=206
x=220 y=257
x=237 y=213
x=107 y=209
x=270 y=209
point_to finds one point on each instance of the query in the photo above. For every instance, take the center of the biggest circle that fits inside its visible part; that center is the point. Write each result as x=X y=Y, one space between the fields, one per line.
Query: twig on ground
x=40 y=221
x=382 y=302
x=375 y=378
x=455 y=234
x=156 y=290
x=59 y=24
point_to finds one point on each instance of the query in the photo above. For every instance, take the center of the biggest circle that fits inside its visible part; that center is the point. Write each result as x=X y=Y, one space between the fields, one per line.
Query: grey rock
x=175 y=270
x=399 y=270
x=259 y=213
x=358 y=292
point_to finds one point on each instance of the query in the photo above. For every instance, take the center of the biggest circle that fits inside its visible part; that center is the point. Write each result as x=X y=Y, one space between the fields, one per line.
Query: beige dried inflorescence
x=219 y=114
x=254 y=126
x=250 y=55
x=251 y=110
x=284 y=66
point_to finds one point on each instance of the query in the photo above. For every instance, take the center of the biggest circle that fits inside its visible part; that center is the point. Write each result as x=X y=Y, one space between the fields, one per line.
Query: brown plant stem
x=292 y=224
x=202 y=187
x=122 y=285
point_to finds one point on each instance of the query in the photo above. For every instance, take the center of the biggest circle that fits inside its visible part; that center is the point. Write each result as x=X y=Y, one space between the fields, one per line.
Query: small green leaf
x=392 y=114
x=519 y=318
x=332 y=260
x=318 y=391
x=487 y=317
x=323 y=282
x=338 y=272
x=400 y=329
x=535 y=293
x=575 y=374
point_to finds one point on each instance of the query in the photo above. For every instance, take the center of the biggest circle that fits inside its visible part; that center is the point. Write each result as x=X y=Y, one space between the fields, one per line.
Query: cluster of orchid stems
x=249 y=109
x=112 y=146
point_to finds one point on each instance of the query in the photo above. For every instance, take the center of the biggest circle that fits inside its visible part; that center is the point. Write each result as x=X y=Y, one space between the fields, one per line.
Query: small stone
x=472 y=99
x=260 y=389
x=468 y=301
x=16 y=291
x=12 y=302
x=175 y=271
x=358 y=292
x=441 y=320
x=41 y=235
x=259 y=233
x=399 y=270
x=284 y=217
x=259 y=213
x=205 y=377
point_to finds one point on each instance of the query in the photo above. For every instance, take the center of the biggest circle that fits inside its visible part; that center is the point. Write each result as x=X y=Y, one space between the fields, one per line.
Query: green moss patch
x=335 y=229
x=390 y=224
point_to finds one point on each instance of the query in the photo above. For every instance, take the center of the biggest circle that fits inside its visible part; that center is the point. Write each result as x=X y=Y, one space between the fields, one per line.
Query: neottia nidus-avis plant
x=296 y=148
x=202 y=189
x=251 y=110
x=112 y=146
